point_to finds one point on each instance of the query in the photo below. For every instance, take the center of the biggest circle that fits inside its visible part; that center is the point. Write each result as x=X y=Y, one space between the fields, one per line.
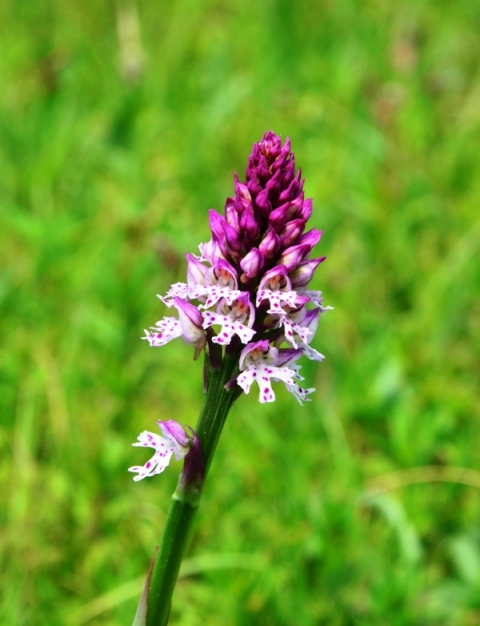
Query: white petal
x=164 y=450
x=214 y=293
x=290 y=298
x=229 y=328
x=164 y=331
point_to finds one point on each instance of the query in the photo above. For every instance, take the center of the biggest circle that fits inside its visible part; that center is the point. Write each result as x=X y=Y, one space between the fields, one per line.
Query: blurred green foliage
x=120 y=125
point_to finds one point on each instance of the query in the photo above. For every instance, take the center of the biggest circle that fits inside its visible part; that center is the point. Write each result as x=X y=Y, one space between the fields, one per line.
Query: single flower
x=175 y=442
x=261 y=363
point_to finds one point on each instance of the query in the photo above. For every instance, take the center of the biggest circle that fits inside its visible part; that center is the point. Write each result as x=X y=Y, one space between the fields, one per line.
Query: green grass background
x=120 y=126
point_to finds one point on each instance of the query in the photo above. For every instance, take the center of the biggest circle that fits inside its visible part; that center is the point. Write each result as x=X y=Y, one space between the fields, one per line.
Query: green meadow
x=121 y=124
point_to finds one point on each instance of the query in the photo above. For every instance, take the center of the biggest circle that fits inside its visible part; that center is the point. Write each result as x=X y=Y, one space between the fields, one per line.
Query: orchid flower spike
x=247 y=293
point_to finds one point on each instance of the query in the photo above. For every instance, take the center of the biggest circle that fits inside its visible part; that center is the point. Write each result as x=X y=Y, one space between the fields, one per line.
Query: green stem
x=182 y=511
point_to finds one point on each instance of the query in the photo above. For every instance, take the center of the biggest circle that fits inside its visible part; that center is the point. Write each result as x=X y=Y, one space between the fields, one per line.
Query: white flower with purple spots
x=276 y=298
x=261 y=363
x=299 y=329
x=189 y=327
x=175 y=442
x=235 y=318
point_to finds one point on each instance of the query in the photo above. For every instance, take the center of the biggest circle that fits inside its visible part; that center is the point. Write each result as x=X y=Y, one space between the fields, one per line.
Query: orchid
x=247 y=305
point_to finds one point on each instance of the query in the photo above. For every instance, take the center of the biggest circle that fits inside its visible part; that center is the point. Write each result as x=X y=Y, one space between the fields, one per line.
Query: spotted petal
x=230 y=327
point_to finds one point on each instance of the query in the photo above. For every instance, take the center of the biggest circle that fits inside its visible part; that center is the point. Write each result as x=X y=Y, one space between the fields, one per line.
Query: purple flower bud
x=292 y=190
x=172 y=431
x=294 y=256
x=253 y=185
x=311 y=238
x=263 y=203
x=261 y=169
x=279 y=216
x=211 y=251
x=270 y=244
x=241 y=189
x=306 y=209
x=226 y=236
x=195 y=271
x=248 y=224
x=216 y=224
x=291 y=232
x=303 y=273
x=191 y=321
x=252 y=263
x=275 y=183
x=231 y=214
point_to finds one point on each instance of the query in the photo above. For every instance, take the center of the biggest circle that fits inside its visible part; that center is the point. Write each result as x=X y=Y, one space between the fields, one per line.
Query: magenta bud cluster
x=263 y=224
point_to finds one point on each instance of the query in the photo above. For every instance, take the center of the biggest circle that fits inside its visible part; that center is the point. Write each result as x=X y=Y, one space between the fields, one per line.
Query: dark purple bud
x=294 y=188
x=252 y=263
x=306 y=209
x=291 y=232
x=232 y=238
x=261 y=169
x=289 y=170
x=263 y=203
x=254 y=186
x=248 y=224
x=303 y=274
x=285 y=154
x=271 y=145
x=278 y=217
x=216 y=224
x=224 y=233
x=275 y=183
x=294 y=207
x=270 y=244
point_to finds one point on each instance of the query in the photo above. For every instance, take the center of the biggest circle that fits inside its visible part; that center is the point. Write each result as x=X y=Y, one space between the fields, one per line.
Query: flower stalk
x=185 y=500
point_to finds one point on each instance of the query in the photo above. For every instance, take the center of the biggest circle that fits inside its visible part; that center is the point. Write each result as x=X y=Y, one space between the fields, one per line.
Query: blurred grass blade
x=141 y=614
